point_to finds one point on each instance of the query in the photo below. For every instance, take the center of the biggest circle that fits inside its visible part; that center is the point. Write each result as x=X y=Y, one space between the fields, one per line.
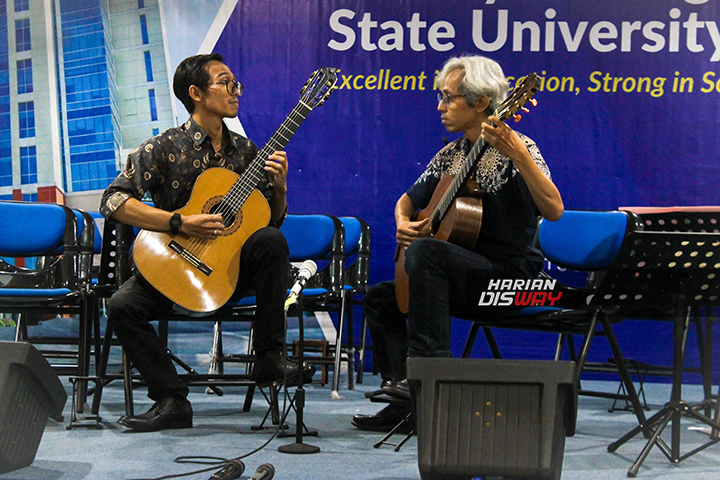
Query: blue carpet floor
x=223 y=430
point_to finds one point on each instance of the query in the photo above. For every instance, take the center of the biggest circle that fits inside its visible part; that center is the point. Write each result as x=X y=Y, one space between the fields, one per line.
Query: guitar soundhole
x=231 y=221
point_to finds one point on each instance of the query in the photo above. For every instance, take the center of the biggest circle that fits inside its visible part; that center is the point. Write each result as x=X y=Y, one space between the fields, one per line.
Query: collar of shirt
x=198 y=135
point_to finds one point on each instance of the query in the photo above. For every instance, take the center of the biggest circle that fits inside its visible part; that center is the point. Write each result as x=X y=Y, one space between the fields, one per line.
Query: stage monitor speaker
x=30 y=392
x=504 y=418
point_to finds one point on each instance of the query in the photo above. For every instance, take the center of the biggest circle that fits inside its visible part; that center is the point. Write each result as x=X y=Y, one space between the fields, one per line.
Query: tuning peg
x=524 y=109
x=517 y=117
x=534 y=102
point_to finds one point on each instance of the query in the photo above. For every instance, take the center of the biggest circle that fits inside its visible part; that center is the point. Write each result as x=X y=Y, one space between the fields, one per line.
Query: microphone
x=232 y=470
x=264 y=472
x=307 y=270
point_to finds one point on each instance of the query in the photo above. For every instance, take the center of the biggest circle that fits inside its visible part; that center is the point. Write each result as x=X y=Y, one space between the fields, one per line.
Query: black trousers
x=445 y=280
x=264 y=271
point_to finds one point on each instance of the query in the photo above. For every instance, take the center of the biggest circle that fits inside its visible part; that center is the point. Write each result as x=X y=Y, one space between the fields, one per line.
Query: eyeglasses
x=231 y=87
x=446 y=99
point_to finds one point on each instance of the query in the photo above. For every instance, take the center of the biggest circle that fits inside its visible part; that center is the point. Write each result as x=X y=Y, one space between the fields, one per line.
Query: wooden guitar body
x=170 y=262
x=460 y=225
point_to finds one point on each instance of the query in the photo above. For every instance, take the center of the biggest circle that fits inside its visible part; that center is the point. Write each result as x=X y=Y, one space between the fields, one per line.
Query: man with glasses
x=166 y=167
x=446 y=279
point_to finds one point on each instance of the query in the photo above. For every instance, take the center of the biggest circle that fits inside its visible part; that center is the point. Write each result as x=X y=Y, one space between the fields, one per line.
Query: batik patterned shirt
x=167 y=165
x=509 y=217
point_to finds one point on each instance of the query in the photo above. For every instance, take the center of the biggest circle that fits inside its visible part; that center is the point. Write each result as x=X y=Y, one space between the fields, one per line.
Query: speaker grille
x=499 y=423
x=24 y=422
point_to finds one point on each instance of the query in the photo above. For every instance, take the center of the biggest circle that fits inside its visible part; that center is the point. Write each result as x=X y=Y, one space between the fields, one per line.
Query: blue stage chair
x=586 y=241
x=56 y=243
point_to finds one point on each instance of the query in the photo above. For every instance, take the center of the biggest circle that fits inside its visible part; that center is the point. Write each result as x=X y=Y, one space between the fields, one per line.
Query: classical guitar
x=201 y=275
x=455 y=209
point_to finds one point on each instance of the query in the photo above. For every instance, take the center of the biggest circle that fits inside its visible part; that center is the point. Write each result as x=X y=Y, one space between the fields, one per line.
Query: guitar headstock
x=523 y=92
x=319 y=87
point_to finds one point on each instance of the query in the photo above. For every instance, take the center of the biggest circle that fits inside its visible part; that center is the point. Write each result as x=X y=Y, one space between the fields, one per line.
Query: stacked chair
x=57 y=245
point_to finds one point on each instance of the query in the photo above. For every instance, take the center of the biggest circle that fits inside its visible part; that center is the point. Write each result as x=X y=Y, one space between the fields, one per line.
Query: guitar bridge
x=186 y=255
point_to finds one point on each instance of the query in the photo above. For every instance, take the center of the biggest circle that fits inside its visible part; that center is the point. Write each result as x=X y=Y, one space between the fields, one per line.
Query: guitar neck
x=476 y=152
x=253 y=174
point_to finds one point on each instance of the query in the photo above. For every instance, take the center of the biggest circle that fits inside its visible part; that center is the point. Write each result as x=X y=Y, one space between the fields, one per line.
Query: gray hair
x=482 y=77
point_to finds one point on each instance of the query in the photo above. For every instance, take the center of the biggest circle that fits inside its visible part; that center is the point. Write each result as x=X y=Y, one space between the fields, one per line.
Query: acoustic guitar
x=455 y=209
x=201 y=275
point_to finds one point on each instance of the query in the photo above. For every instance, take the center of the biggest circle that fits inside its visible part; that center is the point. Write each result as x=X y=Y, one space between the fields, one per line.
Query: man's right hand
x=408 y=231
x=202 y=226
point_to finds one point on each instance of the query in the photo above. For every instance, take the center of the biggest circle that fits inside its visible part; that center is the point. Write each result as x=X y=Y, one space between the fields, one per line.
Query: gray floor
x=223 y=430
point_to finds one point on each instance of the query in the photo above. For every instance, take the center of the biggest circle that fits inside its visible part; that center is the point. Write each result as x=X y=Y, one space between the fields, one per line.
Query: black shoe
x=385 y=420
x=271 y=367
x=396 y=389
x=167 y=413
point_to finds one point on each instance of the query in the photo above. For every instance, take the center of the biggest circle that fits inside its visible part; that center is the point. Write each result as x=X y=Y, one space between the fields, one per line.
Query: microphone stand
x=298 y=448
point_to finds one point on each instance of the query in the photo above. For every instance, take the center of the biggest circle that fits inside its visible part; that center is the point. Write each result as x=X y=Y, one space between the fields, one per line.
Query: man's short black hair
x=192 y=71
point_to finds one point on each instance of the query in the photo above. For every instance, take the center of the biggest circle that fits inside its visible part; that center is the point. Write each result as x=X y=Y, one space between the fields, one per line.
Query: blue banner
x=627 y=112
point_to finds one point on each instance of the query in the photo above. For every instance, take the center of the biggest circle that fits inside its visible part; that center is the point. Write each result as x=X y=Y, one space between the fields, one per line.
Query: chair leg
x=470 y=342
x=623 y=370
x=492 y=343
x=217 y=365
x=128 y=385
x=361 y=352
x=350 y=332
x=338 y=348
x=101 y=370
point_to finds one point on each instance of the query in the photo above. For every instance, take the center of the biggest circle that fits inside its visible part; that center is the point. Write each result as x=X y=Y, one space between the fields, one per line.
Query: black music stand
x=671 y=271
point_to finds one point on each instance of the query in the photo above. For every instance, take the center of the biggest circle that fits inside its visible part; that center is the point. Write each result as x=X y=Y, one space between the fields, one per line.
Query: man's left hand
x=503 y=138
x=277 y=168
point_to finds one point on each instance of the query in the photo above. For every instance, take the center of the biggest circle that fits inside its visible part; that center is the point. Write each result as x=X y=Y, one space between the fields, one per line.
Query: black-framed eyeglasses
x=446 y=99
x=231 y=87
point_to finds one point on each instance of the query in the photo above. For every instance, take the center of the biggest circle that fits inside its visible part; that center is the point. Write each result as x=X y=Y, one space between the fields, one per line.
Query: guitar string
x=232 y=202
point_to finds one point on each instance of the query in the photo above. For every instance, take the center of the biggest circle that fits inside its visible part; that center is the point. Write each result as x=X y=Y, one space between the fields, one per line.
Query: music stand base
x=298 y=449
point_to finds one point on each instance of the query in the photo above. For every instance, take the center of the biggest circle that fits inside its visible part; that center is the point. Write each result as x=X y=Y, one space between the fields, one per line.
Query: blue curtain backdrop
x=627 y=113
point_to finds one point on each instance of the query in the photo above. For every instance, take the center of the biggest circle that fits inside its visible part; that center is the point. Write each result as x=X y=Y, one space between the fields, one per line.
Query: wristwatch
x=175 y=223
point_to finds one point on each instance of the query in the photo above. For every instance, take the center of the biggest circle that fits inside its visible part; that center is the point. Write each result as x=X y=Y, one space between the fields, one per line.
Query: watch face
x=175 y=223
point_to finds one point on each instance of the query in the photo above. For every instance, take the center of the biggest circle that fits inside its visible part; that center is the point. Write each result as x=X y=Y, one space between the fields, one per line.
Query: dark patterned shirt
x=168 y=164
x=509 y=217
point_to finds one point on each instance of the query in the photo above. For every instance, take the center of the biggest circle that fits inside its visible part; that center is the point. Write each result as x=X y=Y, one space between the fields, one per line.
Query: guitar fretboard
x=447 y=199
x=233 y=201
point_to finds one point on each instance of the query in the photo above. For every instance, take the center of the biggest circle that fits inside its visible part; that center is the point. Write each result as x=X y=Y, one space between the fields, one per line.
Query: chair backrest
x=585 y=240
x=320 y=238
x=42 y=230
x=309 y=236
x=357 y=253
x=34 y=229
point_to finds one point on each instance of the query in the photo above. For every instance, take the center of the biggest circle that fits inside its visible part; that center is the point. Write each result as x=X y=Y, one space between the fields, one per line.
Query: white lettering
x=649 y=33
x=477 y=33
x=692 y=26
x=338 y=27
x=440 y=30
x=603 y=30
x=394 y=40
x=572 y=43
x=419 y=34
x=415 y=25
x=506 y=298
x=627 y=29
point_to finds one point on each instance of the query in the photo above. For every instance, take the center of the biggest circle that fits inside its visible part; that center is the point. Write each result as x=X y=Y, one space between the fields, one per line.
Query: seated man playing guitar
x=167 y=167
x=444 y=279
